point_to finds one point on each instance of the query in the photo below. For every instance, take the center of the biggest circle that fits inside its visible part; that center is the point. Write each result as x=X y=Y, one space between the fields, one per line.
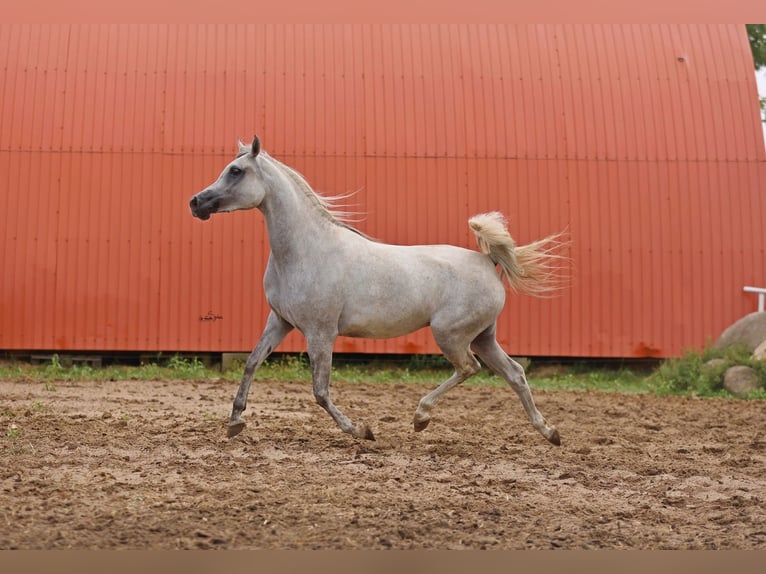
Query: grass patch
x=687 y=375
x=173 y=367
x=580 y=377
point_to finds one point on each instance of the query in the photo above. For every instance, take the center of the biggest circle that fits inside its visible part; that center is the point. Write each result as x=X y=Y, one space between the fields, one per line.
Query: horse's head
x=240 y=185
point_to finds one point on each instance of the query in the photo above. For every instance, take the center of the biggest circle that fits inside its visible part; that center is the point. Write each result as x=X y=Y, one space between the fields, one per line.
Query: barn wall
x=643 y=141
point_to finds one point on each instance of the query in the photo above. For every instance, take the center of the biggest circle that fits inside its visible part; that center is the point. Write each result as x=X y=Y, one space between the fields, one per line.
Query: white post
x=761 y=295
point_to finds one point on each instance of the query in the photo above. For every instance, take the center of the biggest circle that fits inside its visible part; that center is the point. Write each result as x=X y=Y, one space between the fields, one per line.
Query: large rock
x=760 y=352
x=740 y=380
x=749 y=331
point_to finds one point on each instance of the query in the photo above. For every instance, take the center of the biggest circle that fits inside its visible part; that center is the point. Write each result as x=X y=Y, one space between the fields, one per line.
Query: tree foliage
x=756 y=33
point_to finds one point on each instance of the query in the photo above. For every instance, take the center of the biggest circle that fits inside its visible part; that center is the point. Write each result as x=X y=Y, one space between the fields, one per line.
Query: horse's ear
x=256 y=149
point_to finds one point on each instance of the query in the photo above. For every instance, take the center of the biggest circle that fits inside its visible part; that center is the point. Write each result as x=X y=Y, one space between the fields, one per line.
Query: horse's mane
x=326 y=204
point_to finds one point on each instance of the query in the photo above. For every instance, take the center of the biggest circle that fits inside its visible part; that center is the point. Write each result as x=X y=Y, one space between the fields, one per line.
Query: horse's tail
x=533 y=269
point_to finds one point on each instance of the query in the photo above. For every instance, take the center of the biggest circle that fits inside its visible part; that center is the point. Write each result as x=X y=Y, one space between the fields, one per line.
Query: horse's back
x=422 y=267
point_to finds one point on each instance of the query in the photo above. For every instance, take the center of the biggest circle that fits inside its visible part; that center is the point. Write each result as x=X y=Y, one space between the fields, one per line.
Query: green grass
x=428 y=369
x=175 y=367
x=686 y=375
x=582 y=378
x=433 y=369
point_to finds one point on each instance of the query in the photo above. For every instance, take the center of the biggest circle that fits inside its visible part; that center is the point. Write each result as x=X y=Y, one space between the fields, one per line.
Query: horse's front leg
x=275 y=331
x=320 y=355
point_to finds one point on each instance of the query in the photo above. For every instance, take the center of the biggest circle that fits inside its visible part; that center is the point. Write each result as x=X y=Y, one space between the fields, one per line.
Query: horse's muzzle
x=202 y=208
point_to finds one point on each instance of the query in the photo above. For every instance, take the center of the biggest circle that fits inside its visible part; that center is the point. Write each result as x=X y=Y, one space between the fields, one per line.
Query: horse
x=328 y=279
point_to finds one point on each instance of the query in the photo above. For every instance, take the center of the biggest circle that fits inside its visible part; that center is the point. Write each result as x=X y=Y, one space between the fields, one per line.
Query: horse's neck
x=297 y=225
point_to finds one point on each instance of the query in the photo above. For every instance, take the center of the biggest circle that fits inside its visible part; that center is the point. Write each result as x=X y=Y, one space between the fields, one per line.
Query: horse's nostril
x=193 y=202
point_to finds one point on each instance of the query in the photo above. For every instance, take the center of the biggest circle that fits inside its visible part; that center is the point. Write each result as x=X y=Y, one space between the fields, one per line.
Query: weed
x=54 y=369
x=186 y=368
x=287 y=367
x=13 y=432
x=80 y=372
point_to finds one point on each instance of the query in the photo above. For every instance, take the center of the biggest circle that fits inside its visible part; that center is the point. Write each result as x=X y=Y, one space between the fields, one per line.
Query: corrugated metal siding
x=643 y=140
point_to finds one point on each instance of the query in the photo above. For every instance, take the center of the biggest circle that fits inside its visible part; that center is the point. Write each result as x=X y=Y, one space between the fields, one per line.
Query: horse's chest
x=296 y=298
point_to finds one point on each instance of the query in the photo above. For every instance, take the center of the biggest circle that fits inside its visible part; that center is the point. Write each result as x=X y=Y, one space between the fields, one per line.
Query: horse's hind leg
x=457 y=353
x=320 y=355
x=487 y=347
x=275 y=331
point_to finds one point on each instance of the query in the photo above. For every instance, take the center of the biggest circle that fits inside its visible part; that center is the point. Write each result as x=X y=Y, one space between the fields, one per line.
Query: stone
x=749 y=332
x=740 y=380
x=760 y=352
x=713 y=364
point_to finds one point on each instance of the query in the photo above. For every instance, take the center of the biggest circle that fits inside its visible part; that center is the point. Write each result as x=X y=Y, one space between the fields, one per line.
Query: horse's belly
x=375 y=322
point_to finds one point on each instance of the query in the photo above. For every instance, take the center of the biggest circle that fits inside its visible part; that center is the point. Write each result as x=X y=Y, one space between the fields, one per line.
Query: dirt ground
x=147 y=465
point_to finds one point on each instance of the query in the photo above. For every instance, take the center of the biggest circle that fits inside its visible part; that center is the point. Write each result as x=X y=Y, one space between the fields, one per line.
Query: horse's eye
x=234 y=171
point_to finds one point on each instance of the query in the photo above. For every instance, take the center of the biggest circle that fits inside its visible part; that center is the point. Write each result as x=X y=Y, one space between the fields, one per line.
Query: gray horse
x=328 y=279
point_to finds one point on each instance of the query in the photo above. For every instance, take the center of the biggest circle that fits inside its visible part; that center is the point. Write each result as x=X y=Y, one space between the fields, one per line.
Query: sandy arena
x=147 y=465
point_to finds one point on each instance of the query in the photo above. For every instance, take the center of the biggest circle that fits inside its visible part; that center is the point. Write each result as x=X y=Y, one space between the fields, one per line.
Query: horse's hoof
x=555 y=438
x=235 y=427
x=421 y=424
x=364 y=432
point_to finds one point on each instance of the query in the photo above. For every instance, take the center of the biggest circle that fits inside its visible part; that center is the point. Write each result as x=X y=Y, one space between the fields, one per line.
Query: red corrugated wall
x=643 y=140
